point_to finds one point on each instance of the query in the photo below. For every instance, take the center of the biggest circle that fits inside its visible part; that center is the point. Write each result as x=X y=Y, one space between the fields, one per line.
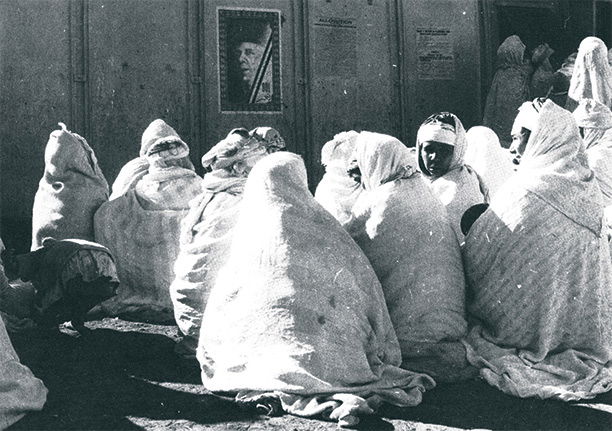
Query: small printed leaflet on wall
x=435 y=54
x=249 y=60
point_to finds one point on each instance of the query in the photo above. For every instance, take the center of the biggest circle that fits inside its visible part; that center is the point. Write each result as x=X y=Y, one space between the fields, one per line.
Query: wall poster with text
x=249 y=60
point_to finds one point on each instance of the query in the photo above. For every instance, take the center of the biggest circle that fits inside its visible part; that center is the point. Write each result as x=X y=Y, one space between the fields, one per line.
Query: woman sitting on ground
x=141 y=228
x=206 y=231
x=405 y=233
x=441 y=147
x=296 y=319
x=539 y=273
x=594 y=121
x=70 y=191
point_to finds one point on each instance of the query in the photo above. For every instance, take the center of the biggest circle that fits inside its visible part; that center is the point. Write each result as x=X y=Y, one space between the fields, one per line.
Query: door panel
x=353 y=69
x=138 y=71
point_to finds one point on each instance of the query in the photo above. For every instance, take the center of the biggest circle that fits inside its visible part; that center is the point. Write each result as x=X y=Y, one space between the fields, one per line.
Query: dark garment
x=69 y=278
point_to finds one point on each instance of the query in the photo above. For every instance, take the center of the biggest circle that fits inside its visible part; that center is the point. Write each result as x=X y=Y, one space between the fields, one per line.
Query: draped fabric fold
x=20 y=391
x=206 y=234
x=592 y=74
x=485 y=155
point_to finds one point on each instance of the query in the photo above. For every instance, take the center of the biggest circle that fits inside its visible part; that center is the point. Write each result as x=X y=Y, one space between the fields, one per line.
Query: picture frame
x=249 y=50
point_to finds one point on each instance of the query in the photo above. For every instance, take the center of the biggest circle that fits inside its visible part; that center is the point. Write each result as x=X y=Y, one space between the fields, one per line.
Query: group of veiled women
x=522 y=75
x=406 y=268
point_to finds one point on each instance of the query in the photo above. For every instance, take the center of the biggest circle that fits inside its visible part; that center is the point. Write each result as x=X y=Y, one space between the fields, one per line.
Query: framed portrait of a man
x=249 y=60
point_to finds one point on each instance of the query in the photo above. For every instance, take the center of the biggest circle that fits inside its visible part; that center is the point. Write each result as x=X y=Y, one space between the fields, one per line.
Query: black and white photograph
x=249 y=60
x=306 y=215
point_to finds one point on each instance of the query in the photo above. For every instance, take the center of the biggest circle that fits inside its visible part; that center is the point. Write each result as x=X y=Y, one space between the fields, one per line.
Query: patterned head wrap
x=161 y=142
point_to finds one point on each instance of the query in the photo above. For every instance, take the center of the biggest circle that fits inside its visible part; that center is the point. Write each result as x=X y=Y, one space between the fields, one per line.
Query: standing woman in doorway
x=510 y=88
x=592 y=75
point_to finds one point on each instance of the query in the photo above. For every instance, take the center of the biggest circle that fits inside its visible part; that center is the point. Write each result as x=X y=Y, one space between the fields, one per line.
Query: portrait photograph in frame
x=249 y=60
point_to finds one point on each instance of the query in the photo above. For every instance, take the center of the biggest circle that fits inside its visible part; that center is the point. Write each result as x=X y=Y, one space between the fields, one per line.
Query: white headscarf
x=555 y=168
x=592 y=75
x=339 y=150
x=596 y=120
x=236 y=146
x=160 y=141
x=459 y=144
x=337 y=191
x=486 y=156
x=527 y=117
x=381 y=159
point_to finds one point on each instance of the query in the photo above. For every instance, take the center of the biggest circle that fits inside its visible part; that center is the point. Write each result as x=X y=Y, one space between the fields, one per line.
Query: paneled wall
x=138 y=63
x=353 y=70
x=36 y=92
x=108 y=67
x=453 y=30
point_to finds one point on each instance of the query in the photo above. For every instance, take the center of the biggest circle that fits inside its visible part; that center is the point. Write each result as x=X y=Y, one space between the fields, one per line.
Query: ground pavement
x=125 y=376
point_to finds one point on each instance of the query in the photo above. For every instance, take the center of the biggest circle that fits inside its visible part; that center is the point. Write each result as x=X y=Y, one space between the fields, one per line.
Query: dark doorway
x=603 y=21
x=534 y=26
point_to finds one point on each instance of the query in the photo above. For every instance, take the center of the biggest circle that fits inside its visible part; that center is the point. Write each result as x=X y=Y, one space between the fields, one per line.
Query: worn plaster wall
x=459 y=93
x=35 y=93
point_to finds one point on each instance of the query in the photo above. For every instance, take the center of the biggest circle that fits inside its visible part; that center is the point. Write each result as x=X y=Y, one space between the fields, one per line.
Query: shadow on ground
x=125 y=375
x=475 y=404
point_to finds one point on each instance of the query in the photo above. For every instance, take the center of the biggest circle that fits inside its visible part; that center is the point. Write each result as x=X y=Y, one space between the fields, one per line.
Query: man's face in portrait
x=248 y=55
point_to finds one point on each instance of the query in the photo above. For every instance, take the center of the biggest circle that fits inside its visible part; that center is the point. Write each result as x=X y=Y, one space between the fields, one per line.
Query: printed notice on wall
x=435 y=56
x=335 y=47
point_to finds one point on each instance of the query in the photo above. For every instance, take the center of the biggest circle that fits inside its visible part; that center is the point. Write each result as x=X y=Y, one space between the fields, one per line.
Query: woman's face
x=436 y=157
x=519 y=142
